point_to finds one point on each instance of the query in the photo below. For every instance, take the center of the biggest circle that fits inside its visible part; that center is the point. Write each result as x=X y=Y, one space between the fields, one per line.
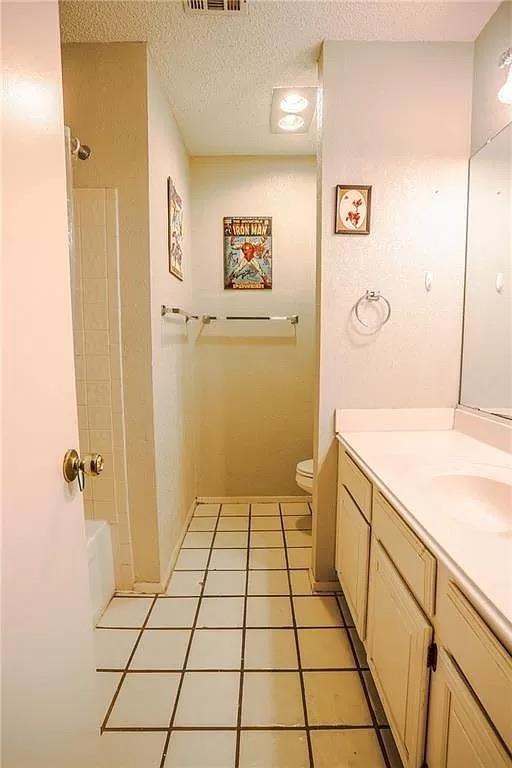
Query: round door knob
x=93 y=464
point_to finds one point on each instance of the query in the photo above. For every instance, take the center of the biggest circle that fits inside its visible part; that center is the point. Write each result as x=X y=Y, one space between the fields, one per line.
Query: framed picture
x=175 y=225
x=248 y=252
x=353 y=204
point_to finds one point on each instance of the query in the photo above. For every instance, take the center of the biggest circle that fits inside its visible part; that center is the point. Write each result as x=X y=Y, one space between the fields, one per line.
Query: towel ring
x=372 y=296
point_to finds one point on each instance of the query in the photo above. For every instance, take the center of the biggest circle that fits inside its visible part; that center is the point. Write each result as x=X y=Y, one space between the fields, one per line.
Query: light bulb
x=291 y=122
x=505 y=92
x=293 y=103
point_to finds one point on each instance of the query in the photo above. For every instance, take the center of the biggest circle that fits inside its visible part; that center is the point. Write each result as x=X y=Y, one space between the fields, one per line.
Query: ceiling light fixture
x=505 y=92
x=292 y=109
x=293 y=103
x=291 y=122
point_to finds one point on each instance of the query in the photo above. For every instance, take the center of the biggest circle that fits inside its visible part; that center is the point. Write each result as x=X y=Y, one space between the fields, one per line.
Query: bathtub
x=101 y=565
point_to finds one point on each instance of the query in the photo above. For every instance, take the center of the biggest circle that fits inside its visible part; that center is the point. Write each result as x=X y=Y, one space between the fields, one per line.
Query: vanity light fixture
x=292 y=109
x=505 y=92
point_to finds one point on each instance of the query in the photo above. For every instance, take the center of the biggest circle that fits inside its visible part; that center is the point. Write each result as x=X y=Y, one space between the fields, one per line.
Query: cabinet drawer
x=484 y=662
x=357 y=485
x=412 y=559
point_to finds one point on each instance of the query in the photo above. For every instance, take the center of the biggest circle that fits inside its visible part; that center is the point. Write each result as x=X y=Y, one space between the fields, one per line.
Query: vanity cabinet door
x=352 y=558
x=397 y=643
x=459 y=734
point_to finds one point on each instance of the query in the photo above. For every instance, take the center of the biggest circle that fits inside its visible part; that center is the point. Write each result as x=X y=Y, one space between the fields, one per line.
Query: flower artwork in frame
x=353 y=209
x=175 y=226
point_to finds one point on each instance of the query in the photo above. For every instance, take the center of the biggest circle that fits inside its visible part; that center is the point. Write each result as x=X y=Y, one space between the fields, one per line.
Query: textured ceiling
x=219 y=72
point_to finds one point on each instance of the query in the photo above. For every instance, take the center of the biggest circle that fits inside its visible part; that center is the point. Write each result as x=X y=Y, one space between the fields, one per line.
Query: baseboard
x=324 y=586
x=161 y=586
x=248 y=499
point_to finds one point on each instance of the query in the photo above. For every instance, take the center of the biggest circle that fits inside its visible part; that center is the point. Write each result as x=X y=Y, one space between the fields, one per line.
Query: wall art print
x=248 y=252
x=175 y=226
x=353 y=205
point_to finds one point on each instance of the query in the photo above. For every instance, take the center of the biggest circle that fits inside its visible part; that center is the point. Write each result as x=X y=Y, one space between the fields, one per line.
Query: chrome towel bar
x=293 y=319
x=206 y=319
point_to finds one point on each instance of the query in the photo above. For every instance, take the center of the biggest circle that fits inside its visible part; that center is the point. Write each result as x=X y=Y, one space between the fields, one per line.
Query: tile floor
x=239 y=665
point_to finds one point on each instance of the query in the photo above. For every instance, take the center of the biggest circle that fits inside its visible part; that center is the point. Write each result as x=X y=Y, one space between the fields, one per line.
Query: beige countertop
x=456 y=493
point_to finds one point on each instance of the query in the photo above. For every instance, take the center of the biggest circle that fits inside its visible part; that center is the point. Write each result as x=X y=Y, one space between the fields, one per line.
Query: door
x=48 y=716
x=352 y=557
x=459 y=733
x=398 y=638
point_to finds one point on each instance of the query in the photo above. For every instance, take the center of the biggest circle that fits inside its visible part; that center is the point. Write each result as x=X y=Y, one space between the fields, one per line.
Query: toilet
x=304 y=475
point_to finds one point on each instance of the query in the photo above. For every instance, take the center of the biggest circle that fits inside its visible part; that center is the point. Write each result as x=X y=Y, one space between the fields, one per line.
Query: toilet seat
x=305 y=468
x=304 y=475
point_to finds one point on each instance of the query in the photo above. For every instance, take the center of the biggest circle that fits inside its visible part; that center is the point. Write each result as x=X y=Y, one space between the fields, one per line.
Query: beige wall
x=490 y=115
x=254 y=381
x=114 y=102
x=406 y=134
x=172 y=344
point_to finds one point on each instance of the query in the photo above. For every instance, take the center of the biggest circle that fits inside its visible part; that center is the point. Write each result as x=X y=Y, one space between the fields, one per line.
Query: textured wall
x=172 y=345
x=396 y=116
x=254 y=380
x=105 y=104
x=489 y=114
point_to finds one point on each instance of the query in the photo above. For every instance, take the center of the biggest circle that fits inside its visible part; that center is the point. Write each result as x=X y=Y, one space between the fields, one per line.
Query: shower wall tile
x=96 y=343
x=98 y=393
x=80 y=368
x=101 y=439
x=117 y=396
x=103 y=489
x=83 y=422
x=81 y=394
x=95 y=290
x=97 y=336
x=115 y=362
x=96 y=317
x=78 y=342
x=97 y=368
x=100 y=417
x=83 y=438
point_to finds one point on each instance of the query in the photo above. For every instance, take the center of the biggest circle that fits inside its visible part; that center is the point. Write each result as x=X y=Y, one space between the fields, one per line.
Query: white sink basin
x=482 y=502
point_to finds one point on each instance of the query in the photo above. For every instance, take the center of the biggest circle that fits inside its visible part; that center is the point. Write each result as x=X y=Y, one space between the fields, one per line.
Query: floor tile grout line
x=297 y=648
x=189 y=645
x=360 y=670
x=255 y=626
x=245 y=728
x=175 y=670
x=130 y=657
x=244 y=633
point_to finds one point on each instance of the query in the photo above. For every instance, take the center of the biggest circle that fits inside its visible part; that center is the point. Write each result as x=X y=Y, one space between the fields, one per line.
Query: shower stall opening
x=96 y=309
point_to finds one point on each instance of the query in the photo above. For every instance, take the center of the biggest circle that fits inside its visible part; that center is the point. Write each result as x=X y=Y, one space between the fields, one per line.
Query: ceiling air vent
x=226 y=7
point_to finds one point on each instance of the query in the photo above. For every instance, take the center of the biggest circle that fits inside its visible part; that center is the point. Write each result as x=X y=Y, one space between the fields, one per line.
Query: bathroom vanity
x=424 y=556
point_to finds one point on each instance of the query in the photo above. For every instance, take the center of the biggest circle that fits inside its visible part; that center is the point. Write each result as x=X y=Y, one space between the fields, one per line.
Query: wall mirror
x=486 y=381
